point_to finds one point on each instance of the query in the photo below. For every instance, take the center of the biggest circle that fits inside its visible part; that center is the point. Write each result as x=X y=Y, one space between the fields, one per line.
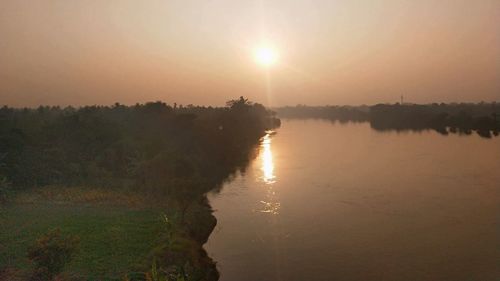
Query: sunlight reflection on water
x=267 y=160
x=357 y=204
x=270 y=204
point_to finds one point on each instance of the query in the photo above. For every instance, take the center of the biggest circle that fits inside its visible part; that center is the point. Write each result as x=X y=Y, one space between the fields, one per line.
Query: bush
x=51 y=253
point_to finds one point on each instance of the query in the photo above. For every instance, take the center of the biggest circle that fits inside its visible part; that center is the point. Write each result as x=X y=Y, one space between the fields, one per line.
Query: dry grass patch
x=81 y=195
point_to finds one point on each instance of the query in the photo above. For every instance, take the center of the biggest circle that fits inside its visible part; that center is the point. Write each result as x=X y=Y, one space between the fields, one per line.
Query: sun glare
x=266 y=56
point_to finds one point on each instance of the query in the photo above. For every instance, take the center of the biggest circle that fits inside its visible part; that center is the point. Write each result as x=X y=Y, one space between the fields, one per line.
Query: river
x=328 y=201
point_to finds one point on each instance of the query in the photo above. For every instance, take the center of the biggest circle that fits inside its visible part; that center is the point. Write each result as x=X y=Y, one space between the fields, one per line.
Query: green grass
x=112 y=239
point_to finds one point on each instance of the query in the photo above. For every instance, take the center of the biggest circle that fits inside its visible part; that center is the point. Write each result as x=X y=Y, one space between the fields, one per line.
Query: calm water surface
x=326 y=201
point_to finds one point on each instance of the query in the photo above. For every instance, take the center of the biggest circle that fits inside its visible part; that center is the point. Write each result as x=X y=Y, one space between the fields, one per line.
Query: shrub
x=50 y=253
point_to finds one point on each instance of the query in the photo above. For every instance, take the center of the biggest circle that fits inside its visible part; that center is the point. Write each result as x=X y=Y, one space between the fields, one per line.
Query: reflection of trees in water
x=263 y=151
x=444 y=119
x=482 y=118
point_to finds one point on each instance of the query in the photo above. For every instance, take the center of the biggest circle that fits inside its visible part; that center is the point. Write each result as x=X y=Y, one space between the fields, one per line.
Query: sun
x=266 y=56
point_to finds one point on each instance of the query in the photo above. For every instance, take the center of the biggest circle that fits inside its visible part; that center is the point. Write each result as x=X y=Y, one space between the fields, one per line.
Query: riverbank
x=149 y=156
x=121 y=236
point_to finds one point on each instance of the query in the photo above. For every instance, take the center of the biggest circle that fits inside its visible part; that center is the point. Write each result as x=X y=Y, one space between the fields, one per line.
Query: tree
x=239 y=104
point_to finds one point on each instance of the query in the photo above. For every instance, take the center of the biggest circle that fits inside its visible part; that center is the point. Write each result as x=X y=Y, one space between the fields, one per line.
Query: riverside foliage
x=168 y=153
x=151 y=146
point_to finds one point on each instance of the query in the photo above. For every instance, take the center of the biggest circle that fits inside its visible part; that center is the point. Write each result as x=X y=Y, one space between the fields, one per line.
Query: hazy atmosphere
x=226 y=140
x=201 y=52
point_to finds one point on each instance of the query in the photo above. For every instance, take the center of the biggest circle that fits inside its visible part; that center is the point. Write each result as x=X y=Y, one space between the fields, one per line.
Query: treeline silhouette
x=463 y=118
x=342 y=114
x=174 y=154
x=152 y=145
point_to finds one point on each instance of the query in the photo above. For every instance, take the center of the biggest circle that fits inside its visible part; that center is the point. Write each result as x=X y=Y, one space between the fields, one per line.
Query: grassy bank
x=114 y=240
x=120 y=232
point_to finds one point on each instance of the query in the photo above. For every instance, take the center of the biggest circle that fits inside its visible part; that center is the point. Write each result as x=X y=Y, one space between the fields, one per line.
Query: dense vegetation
x=152 y=145
x=172 y=155
x=482 y=118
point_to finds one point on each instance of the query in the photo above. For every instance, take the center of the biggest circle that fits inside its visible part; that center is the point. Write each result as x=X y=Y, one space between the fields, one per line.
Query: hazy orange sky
x=64 y=52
